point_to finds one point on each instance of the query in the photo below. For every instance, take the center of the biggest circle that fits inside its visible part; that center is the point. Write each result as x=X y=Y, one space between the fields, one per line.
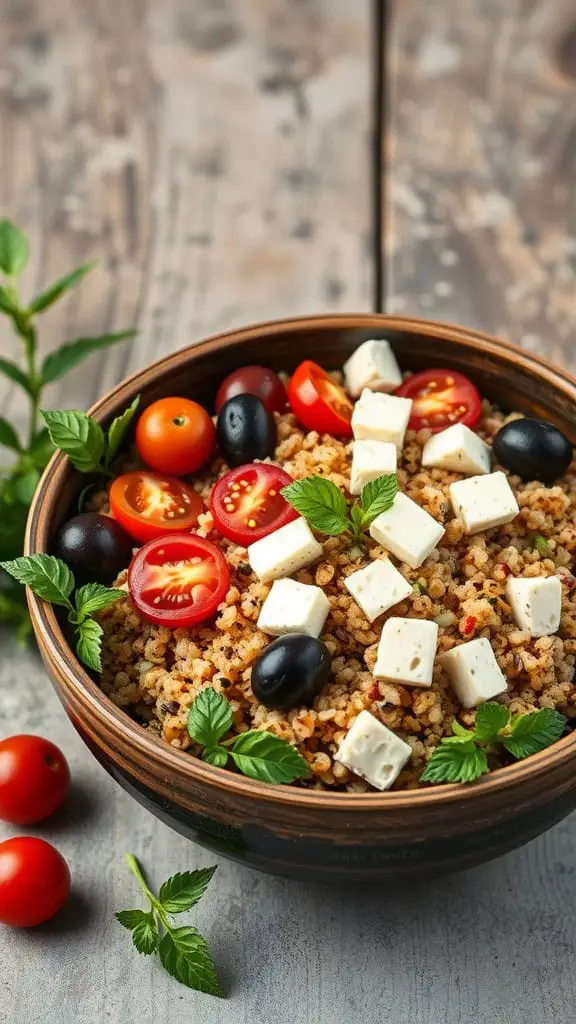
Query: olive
x=533 y=449
x=291 y=671
x=95 y=547
x=245 y=430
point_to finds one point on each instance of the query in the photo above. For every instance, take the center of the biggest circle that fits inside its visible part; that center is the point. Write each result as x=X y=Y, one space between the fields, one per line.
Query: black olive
x=291 y=671
x=245 y=430
x=95 y=547
x=533 y=449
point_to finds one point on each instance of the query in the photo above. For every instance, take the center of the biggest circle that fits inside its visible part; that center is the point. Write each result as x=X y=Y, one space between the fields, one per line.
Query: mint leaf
x=184 y=954
x=41 y=450
x=261 y=755
x=462 y=762
x=6 y=302
x=47 y=576
x=130 y=918
x=65 y=358
x=118 y=428
x=184 y=890
x=89 y=643
x=8 y=436
x=320 y=502
x=356 y=518
x=15 y=374
x=78 y=436
x=533 y=732
x=217 y=756
x=378 y=496
x=145 y=936
x=25 y=484
x=63 y=284
x=490 y=719
x=459 y=730
x=93 y=597
x=209 y=718
x=14 y=249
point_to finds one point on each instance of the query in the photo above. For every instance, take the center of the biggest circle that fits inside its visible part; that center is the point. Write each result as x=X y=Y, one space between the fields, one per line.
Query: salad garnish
x=323 y=504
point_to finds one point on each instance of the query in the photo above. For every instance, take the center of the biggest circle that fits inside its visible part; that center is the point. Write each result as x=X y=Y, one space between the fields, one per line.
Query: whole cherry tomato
x=441 y=398
x=247 y=505
x=175 y=435
x=178 y=580
x=34 y=881
x=150 y=504
x=34 y=779
x=318 y=402
x=253 y=380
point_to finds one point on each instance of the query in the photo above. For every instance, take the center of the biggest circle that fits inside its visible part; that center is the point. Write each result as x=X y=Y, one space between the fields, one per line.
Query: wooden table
x=231 y=161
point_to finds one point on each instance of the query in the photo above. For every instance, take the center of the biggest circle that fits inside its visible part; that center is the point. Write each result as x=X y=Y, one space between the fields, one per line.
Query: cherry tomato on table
x=318 y=402
x=150 y=505
x=34 y=779
x=34 y=881
x=175 y=435
x=247 y=505
x=440 y=399
x=253 y=380
x=178 y=580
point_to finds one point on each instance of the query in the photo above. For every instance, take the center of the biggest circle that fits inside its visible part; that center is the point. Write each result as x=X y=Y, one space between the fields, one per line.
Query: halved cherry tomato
x=34 y=779
x=175 y=435
x=253 y=380
x=178 y=580
x=318 y=402
x=440 y=399
x=247 y=505
x=150 y=505
x=34 y=881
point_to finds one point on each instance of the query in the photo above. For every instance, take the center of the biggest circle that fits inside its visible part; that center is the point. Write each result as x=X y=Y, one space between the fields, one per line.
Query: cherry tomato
x=34 y=779
x=247 y=505
x=175 y=435
x=441 y=398
x=253 y=380
x=318 y=402
x=150 y=505
x=178 y=580
x=34 y=881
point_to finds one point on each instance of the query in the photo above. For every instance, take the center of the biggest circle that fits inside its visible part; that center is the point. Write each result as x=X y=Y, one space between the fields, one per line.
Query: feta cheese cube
x=378 y=417
x=482 y=502
x=406 y=651
x=373 y=751
x=536 y=603
x=407 y=530
x=369 y=460
x=459 y=449
x=474 y=672
x=293 y=607
x=373 y=365
x=285 y=551
x=377 y=587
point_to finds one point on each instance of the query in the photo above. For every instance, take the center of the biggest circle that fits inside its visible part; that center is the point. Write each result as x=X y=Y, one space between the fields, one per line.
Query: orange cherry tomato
x=178 y=580
x=175 y=435
x=150 y=505
x=318 y=402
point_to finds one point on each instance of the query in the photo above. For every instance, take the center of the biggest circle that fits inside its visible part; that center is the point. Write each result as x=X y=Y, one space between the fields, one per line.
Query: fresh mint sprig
x=51 y=579
x=463 y=756
x=257 y=753
x=83 y=440
x=323 y=504
x=182 y=950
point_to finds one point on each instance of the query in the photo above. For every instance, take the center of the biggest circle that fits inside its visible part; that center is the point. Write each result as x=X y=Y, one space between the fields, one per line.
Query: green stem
x=157 y=907
x=35 y=385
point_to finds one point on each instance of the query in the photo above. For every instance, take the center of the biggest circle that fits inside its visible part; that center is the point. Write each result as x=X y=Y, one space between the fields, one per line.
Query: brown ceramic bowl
x=289 y=831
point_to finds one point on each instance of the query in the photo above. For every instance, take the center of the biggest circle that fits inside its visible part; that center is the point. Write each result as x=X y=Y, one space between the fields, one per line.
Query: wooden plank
x=480 y=221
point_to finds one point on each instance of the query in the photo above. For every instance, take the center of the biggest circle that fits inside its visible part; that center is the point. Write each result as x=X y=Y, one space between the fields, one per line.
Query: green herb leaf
x=210 y=717
x=65 y=358
x=184 y=890
x=25 y=484
x=462 y=762
x=6 y=302
x=419 y=588
x=261 y=755
x=218 y=756
x=320 y=502
x=8 y=436
x=93 y=597
x=89 y=643
x=459 y=730
x=41 y=450
x=356 y=518
x=490 y=719
x=47 y=576
x=378 y=496
x=542 y=546
x=145 y=935
x=78 y=436
x=118 y=429
x=13 y=249
x=15 y=374
x=63 y=284
x=130 y=918
x=533 y=732
x=184 y=954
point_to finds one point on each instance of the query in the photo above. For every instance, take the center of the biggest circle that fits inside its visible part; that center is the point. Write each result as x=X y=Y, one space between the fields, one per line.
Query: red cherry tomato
x=318 y=402
x=34 y=881
x=440 y=399
x=34 y=779
x=175 y=435
x=150 y=505
x=253 y=380
x=247 y=505
x=178 y=580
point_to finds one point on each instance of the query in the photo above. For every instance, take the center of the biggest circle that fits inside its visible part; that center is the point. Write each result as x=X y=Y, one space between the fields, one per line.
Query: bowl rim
x=190 y=768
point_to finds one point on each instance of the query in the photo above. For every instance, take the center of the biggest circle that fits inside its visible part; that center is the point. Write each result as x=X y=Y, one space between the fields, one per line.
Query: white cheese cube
x=377 y=587
x=378 y=417
x=474 y=672
x=369 y=460
x=482 y=502
x=407 y=530
x=406 y=651
x=536 y=603
x=293 y=607
x=459 y=449
x=373 y=751
x=285 y=551
x=373 y=365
